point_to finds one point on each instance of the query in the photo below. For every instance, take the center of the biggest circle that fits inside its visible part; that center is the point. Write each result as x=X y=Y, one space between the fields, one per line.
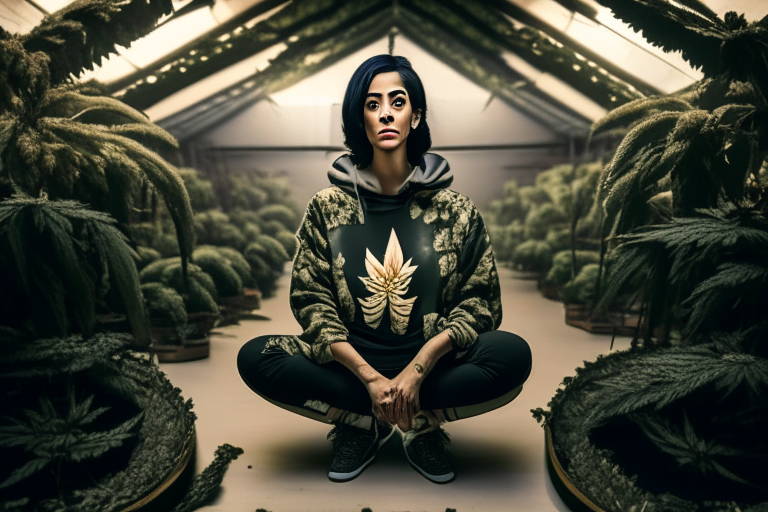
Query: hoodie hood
x=431 y=174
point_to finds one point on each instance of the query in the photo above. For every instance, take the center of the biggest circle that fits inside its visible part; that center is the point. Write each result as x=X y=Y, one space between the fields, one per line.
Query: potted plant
x=189 y=340
x=89 y=422
x=677 y=421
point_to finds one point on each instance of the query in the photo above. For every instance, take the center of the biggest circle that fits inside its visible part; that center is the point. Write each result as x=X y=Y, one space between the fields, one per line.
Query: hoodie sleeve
x=313 y=297
x=475 y=306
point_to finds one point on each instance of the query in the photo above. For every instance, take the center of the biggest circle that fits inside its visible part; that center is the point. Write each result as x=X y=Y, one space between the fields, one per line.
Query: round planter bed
x=162 y=464
x=603 y=434
x=149 y=470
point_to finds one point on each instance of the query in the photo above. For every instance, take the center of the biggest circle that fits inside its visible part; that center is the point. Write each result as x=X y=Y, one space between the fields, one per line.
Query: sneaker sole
x=346 y=477
x=437 y=479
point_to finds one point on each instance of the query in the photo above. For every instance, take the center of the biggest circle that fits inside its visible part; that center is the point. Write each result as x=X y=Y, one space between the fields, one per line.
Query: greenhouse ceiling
x=563 y=61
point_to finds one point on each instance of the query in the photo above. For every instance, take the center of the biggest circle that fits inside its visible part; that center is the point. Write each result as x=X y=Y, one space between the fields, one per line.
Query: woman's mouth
x=388 y=134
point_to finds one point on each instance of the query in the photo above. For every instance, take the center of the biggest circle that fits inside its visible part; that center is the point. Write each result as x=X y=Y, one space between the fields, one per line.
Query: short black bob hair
x=353 y=123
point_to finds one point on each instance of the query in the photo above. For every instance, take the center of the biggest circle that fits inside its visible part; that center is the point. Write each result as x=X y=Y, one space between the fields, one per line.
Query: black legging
x=489 y=375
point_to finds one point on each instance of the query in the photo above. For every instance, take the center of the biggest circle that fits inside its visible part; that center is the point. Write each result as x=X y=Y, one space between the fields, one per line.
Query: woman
x=395 y=286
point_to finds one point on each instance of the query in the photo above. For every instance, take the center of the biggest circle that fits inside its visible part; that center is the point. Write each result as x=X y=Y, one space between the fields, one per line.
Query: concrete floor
x=498 y=457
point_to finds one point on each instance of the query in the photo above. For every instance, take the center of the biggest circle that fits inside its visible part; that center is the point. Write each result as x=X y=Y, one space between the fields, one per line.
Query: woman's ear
x=415 y=118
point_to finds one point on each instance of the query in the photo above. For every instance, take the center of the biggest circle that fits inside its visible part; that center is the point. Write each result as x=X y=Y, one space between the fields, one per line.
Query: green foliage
x=540 y=220
x=505 y=239
x=84 y=33
x=95 y=150
x=256 y=190
x=242 y=218
x=281 y=213
x=704 y=405
x=164 y=302
x=228 y=282
x=245 y=195
x=48 y=357
x=271 y=227
x=694 y=268
x=266 y=257
x=533 y=256
x=201 y=193
x=208 y=482
x=685 y=210
x=251 y=232
x=637 y=109
x=510 y=208
x=558 y=209
x=213 y=228
x=270 y=250
x=558 y=239
x=582 y=289
x=68 y=256
x=49 y=437
x=239 y=264
x=562 y=265
x=289 y=242
x=146 y=256
x=533 y=196
x=688 y=448
x=200 y=294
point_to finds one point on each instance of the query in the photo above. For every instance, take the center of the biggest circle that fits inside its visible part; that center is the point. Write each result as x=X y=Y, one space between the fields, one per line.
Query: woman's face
x=388 y=113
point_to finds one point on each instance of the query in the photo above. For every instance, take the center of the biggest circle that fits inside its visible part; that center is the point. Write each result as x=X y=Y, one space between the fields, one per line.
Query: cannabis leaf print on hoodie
x=388 y=283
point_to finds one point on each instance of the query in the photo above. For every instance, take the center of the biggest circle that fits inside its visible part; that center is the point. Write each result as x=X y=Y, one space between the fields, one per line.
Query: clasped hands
x=396 y=401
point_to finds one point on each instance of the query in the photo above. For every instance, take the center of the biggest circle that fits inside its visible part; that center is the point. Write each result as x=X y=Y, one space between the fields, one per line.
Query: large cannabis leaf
x=49 y=436
x=388 y=282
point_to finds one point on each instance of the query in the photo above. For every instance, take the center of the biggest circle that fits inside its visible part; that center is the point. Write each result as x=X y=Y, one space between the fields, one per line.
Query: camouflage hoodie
x=350 y=280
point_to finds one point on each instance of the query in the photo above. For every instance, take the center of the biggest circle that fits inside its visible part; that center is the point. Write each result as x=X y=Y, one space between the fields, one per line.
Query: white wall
x=309 y=114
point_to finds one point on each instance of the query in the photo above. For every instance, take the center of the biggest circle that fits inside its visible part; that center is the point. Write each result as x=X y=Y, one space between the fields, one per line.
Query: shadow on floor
x=470 y=457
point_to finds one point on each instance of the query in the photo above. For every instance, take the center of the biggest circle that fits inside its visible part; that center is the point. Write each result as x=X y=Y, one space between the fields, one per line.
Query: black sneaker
x=354 y=449
x=427 y=453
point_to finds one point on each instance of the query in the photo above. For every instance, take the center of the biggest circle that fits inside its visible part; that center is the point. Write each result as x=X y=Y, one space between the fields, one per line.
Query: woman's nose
x=386 y=117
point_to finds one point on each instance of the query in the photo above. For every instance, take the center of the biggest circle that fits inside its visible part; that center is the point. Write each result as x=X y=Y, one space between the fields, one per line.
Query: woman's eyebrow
x=391 y=94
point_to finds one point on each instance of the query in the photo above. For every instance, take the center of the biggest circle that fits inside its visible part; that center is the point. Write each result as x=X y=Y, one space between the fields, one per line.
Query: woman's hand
x=405 y=398
x=381 y=397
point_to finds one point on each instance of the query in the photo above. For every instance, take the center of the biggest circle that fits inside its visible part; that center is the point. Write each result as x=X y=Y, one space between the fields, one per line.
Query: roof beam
x=303 y=58
x=523 y=16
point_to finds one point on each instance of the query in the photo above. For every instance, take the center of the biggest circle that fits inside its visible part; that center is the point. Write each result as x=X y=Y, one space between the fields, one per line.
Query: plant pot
x=550 y=291
x=190 y=350
x=607 y=463
x=112 y=322
x=580 y=316
x=149 y=473
x=233 y=308
x=197 y=345
x=571 y=496
x=248 y=301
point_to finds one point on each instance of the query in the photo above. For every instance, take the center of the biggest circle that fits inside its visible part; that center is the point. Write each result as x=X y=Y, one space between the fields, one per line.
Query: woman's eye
x=399 y=102
x=373 y=105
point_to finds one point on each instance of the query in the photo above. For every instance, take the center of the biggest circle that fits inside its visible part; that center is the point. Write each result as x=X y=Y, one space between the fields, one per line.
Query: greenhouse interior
x=178 y=180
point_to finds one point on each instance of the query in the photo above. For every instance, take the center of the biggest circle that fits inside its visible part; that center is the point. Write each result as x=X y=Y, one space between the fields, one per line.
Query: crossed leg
x=488 y=376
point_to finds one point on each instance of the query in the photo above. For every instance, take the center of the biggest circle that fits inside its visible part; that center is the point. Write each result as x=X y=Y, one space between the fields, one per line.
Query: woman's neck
x=391 y=168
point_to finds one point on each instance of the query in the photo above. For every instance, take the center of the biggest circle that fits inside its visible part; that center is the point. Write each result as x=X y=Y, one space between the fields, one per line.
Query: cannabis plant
x=86 y=424
x=56 y=138
x=57 y=260
x=678 y=421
